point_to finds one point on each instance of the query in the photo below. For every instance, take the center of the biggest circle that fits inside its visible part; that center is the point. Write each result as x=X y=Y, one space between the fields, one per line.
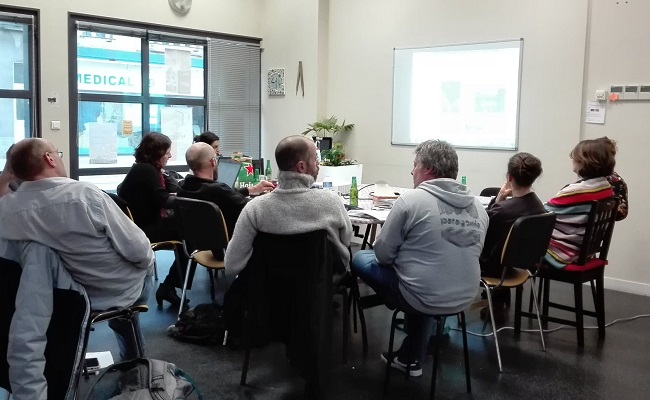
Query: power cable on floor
x=554 y=329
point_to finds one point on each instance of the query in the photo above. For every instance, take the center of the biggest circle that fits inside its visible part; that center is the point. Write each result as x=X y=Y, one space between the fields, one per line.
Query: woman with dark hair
x=149 y=195
x=211 y=139
x=618 y=184
x=515 y=199
x=593 y=161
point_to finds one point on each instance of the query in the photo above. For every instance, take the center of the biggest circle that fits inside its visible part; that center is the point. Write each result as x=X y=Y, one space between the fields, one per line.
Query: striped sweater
x=572 y=207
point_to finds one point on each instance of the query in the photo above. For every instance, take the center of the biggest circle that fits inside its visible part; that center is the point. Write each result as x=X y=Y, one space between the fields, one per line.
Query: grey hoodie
x=433 y=237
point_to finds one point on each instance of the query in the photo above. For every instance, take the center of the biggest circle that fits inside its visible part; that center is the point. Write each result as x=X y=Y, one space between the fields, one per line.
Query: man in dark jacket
x=201 y=185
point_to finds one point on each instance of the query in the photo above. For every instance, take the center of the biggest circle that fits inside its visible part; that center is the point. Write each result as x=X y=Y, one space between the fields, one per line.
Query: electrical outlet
x=601 y=95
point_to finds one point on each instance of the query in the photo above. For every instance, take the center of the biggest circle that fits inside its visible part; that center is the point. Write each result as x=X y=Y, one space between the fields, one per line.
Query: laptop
x=228 y=171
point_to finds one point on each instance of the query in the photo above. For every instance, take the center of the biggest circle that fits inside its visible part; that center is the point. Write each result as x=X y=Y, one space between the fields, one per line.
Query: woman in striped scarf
x=593 y=162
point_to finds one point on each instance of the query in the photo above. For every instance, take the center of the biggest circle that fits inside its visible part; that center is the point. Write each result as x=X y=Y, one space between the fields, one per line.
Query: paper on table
x=380 y=215
x=595 y=112
x=105 y=358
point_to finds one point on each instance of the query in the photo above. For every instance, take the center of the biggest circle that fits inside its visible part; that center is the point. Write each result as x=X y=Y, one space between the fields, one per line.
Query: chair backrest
x=490 y=191
x=599 y=230
x=289 y=292
x=121 y=203
x=527 y=241
x=66 y=340
x=202 y=224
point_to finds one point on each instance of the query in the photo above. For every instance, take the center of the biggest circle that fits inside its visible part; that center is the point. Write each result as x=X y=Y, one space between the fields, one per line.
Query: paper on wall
x=176 y=123
x=595 y=112
x=102 y=142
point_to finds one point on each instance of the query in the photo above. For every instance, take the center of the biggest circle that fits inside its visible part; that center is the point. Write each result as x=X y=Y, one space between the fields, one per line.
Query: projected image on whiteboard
x=467 y=95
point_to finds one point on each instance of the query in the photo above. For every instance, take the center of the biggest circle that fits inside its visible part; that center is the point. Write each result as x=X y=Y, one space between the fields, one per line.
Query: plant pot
x=342 y=175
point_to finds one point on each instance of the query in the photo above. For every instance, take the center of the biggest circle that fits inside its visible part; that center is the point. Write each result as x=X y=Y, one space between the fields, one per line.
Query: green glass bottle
x=257 y=176
x=268 y=171
x=354 y=193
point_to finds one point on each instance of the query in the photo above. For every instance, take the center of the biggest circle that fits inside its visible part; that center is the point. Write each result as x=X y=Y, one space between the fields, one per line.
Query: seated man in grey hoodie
x=292 y=208
x=426 y=257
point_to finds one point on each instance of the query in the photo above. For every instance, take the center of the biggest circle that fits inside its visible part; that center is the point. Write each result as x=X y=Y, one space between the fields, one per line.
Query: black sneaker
x=416 y=368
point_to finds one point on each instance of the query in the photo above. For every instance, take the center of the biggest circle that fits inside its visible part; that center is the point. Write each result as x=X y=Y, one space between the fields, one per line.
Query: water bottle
x=327 y=183
x=268 y=171
x=354 y=193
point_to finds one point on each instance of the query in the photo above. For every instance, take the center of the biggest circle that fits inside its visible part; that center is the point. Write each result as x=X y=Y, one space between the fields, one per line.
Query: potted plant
x=333 y=161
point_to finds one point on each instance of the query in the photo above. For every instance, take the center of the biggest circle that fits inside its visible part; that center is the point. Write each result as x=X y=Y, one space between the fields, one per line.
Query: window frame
x=31 y=18
x=152 y=32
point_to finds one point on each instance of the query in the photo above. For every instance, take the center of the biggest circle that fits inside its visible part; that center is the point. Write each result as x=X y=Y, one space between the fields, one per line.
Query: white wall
x=360 y=78
x=240 y=17
x=617 y=52
x=292 y=31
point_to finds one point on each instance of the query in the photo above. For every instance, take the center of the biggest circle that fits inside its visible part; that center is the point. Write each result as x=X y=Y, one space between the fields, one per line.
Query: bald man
x=201 y=185
x=102 y=249
x=292 y=208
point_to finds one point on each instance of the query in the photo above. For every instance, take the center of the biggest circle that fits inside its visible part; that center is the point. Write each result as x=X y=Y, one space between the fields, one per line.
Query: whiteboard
x=465 y=94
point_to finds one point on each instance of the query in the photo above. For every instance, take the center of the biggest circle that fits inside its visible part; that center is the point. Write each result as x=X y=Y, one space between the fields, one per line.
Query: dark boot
x=168 y=293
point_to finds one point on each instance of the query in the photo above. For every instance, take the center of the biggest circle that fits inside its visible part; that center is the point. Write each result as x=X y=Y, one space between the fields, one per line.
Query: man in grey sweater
x=102 y=249
x=292 y=208
x=426 y=257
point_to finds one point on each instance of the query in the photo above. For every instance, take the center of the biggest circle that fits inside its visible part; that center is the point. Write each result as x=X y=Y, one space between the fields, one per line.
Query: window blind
x=234 y=73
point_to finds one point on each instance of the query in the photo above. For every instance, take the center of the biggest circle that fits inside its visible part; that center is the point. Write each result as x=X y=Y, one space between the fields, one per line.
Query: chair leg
x=440 y=322
x=518 y=299
x=599 y=301
x=187 y=277
x=546 y=284
x=135 y=329
x=580 y=327
x=539 y=320
x=212 y=282
x=346 y=325
x=247 y=345
x=494 y=327
x=389 y=356
x=468 y=380
x=364 y=332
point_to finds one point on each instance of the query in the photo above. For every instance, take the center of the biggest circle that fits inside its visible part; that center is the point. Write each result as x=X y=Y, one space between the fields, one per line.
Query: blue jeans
x=385 y=282
x=122 y=327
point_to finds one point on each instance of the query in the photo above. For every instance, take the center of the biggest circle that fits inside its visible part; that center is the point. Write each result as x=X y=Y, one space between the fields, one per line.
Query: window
x=17 y=84
x=131 y=80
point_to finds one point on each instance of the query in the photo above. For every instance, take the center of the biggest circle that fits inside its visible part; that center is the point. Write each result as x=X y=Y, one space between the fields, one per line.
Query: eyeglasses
x=60 y=153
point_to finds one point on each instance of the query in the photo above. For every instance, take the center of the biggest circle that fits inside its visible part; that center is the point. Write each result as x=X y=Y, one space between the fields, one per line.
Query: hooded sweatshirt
x=433 y=237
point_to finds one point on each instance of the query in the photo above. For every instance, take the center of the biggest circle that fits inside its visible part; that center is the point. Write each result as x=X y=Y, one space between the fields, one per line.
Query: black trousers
x=169 y=229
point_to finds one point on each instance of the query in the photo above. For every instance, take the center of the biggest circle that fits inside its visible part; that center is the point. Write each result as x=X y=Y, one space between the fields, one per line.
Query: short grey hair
x=440 y=156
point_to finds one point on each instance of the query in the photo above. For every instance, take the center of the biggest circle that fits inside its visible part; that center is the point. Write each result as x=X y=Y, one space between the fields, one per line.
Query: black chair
x=440 y=320
x=287 y=287
x=65 y=345
x=173 y=245
x=588 y=268
x=206 y=239
x=523 y=250
x=490 y=191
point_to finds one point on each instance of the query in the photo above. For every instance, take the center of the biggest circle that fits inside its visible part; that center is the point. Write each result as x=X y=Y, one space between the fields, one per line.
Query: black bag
x=202 y=324
x=143 y=379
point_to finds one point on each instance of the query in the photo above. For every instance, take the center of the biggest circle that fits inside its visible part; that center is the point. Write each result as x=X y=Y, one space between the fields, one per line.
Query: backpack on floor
x=202 y=324
x=143 y=379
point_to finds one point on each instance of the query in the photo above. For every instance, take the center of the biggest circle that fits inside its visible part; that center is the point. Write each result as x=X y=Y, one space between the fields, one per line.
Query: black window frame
x=31 y=18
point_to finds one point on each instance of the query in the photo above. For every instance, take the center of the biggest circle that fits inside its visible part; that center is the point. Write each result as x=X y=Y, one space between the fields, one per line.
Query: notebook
x=228 y=171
